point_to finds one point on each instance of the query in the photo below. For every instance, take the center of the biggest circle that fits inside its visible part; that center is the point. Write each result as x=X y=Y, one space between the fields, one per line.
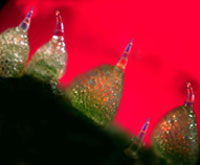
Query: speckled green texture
x=97 y=93
x=49 y=62
x=175 y=138
x=14 y=51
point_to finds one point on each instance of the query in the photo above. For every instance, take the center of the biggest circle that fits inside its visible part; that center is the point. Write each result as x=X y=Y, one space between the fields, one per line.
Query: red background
x=166 y=51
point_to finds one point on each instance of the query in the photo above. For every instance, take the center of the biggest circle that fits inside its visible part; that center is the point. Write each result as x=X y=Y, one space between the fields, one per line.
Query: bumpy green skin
x=97 y=93
x=14 y=50
x=49 y=62
x=175 y=138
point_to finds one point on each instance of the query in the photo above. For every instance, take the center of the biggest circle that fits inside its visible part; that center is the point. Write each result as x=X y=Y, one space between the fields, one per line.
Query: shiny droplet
x=14 y=49
x=97 y=93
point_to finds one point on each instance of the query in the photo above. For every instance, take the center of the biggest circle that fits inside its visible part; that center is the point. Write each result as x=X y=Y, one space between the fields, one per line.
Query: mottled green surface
x=97 y=93
x=14 y=50
x=49 y=62
x=175 y=138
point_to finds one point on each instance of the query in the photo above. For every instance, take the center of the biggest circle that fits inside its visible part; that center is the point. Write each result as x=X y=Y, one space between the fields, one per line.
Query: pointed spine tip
x=124 y=58
x=132 y=150
x=143 y=131
x=148 y=120
x=129 y=46
x=59 y=24
x=57 y=13
x=189 y=85
x=190 y=95
x=30 y=13
x=27 y=20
